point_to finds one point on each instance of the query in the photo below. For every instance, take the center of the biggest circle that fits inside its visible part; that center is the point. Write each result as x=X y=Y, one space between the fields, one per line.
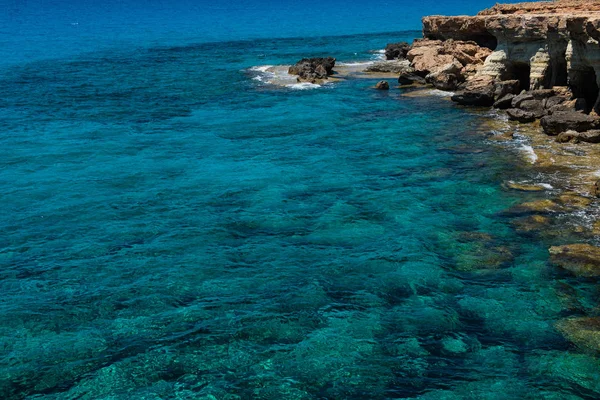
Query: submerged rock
x=580 y=259
x=532 y=223
x=313 y=69
x=563 y=121
x=531 y=207
x=382 y=85
x=525 y=187
x=574 y=200
x=583 y=331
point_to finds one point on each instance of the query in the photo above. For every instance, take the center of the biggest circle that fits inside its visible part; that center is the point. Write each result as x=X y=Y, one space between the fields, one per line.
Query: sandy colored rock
x=574 y=200
x=581 y=259
x=524 y=187
x=536 y=206
x=532 y=223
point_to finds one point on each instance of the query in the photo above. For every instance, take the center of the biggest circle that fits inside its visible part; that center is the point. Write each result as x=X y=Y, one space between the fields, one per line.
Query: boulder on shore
x=516 y=114
x=313 y=69
x=504 y=102
x=561 y=121
x=472 y=98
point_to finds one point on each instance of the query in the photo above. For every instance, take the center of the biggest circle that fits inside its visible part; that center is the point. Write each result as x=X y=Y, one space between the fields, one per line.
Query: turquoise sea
x=176 y=227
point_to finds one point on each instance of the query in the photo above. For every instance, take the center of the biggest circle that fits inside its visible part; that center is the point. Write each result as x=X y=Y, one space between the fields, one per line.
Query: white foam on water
x=303 y=86
x=440 y=93
x=596 y=173
x=356 y=64
x=546 y=185
x=529 y=153
x=261 y=68
x=380 y=54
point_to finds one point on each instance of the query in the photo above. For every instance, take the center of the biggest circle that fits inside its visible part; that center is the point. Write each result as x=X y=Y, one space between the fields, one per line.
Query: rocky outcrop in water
x=382 y=85
x=394 y=51
x=313 y=69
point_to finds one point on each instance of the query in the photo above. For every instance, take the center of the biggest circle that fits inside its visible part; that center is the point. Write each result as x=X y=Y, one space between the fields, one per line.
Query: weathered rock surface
x=382 y=85
x=313 y=69
x=504 y=102
x=561 y=121
x=394 y=51
x=446 y=64
x=580 y=259
x=516 y=114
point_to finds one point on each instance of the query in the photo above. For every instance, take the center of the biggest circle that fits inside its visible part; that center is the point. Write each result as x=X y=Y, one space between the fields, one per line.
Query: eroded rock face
x=446 y=64
x=542 y=44
x=580 y=259
x=313 y=69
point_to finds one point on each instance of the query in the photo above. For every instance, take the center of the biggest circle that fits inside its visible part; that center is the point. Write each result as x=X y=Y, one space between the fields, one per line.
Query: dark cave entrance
x=583 y=84
x=557 y=74
x=485 y=40
x=521 y=72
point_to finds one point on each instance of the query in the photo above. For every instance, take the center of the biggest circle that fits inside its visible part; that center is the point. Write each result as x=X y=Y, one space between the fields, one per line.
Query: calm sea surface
x=175 y=227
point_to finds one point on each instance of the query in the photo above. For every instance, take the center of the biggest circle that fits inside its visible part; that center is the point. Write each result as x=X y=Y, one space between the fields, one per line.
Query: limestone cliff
x=543 y=44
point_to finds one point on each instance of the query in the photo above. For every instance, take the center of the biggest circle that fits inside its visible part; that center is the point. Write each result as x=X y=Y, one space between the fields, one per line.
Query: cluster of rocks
x=313 y=70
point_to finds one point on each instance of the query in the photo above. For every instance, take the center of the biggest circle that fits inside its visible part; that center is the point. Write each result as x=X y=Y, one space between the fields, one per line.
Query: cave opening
x=584 y=85
x=559 y=75
x=485 y=40
x=521 y=72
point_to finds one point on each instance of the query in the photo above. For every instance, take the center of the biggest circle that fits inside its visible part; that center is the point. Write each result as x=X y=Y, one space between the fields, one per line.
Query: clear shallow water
x=175 y=229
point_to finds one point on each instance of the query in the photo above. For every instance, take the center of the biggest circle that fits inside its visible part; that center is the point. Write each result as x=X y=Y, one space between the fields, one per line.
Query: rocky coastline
x=538 y=64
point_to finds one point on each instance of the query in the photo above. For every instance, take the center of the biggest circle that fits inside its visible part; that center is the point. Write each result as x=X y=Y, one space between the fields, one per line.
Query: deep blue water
x=174 y=228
